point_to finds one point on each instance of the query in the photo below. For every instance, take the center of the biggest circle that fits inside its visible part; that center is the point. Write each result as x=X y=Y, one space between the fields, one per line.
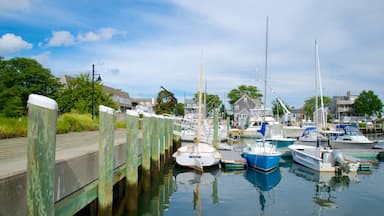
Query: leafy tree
x=166 y=102
x=367 y=103
x=77 y=96
x=309 y=105
x=180 y=109
x=251 y=91
x=277 y=109
x=213 y=101
x=20 y=77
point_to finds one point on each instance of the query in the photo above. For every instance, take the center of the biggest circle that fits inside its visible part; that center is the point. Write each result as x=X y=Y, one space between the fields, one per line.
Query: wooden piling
x=106 y=151
x=155 y=148
x=162 y=141
x=132 y=153
x=42 y=119
x=132 y=147
x=216 y=129
x=146 y=153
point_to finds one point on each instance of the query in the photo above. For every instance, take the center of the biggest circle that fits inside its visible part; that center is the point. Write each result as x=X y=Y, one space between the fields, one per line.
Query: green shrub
x=75 y=122
x=13 y=127
x=120 y=124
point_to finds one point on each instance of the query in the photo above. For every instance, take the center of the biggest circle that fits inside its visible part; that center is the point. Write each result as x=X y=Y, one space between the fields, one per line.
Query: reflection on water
x=264 y=183
x=291 y=189
x=325 y=184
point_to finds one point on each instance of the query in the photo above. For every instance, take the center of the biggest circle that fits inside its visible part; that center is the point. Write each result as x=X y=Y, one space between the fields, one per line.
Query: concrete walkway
x=13 y=152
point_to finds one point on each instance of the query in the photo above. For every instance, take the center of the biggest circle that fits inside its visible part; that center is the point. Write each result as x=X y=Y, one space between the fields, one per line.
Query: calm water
x=289 y=190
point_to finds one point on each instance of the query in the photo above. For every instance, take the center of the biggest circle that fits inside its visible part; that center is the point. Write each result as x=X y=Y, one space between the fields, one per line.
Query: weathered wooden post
x=162 y=141
x=106 y=151
x=146 y=153
x=155 y=150
x=132 y=153
x=216 y=129
x=146 y=162
x=42 y=118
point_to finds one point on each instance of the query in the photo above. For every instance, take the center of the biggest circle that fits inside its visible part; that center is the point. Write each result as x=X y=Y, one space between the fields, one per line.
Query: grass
x=68 y=122
x=75 y=122
x=13 y=127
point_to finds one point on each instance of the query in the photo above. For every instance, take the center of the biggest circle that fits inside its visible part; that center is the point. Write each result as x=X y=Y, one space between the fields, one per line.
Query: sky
x=140 y=45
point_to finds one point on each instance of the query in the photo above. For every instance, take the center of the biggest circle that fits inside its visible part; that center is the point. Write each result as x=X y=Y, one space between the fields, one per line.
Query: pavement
x=13 y=152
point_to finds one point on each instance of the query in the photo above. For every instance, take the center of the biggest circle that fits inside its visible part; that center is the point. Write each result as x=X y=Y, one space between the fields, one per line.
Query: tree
x=277 y=108
x=213 y=101
x=20 y=77
x=77 y=96
x=367 y=103
x=165 y=102
x=309 y=105
x=251 y=91
x=180 y=109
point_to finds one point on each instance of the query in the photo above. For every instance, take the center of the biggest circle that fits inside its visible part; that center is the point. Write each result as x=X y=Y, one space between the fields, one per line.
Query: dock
x=49 y=174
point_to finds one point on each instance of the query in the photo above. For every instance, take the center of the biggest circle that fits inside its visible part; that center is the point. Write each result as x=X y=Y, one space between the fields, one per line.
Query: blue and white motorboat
x=262 y=155
x=350 y=136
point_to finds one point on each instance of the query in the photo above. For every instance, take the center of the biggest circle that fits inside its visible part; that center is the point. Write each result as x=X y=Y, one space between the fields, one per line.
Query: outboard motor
x=339 y=158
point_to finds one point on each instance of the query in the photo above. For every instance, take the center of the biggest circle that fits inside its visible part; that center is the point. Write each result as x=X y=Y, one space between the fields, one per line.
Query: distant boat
x=257 y=117
x=263 y=155
x=276 y=135
x=350 y=137
x=197 y=155
x=319 y=157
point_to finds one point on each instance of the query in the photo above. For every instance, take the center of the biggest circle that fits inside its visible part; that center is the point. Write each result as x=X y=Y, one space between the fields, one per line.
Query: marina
x=232 y=187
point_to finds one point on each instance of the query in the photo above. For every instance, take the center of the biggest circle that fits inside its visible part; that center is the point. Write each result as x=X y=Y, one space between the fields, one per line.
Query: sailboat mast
x=323 y=121
x=266 y=69
x=316 y=116
x=200 y=98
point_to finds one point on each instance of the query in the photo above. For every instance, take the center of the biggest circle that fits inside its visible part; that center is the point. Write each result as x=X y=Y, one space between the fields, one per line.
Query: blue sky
x=139 y=45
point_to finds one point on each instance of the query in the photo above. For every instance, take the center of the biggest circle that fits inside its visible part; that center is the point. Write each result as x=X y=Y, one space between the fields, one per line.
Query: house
x=242 y=107
x=120 y=97
x=342 y=106
x=191 y=108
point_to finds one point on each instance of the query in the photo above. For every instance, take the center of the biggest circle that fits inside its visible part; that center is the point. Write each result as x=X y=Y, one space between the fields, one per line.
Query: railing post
x=42 y=119
x=106 y=151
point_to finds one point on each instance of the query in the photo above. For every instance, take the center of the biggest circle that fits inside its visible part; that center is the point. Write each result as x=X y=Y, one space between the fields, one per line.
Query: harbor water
x=291 y=189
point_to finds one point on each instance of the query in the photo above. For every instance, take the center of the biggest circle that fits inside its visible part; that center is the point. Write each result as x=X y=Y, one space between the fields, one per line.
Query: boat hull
x=281 y=143
x=317 y=158
x=262 y=156
x=197 y=156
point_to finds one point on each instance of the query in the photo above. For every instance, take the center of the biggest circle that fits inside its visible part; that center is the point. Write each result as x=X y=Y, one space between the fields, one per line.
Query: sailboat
x=197 y=155
x=321 y=158
x=263 y=155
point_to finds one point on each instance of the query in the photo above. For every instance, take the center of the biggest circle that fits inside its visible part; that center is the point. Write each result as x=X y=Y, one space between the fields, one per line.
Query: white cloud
x=12 y=43
x=101 y=35
x=42 y=57
x=66 y=38
x=61 y=38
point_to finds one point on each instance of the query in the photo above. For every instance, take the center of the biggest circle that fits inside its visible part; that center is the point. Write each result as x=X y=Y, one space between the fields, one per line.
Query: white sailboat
x=197 y=155
x=263 y=155
x=320 y=158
